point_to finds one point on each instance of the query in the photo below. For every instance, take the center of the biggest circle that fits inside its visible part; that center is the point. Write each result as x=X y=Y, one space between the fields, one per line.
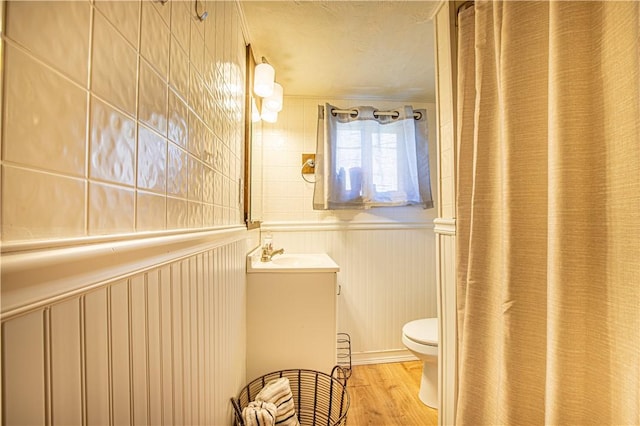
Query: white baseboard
x=382 y=357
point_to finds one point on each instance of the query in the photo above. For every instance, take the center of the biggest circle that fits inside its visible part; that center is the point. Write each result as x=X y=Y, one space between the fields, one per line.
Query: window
x=367 y=158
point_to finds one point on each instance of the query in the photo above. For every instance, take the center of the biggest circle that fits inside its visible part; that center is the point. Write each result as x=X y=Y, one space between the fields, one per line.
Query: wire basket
x=344 y=353
x=319 y=398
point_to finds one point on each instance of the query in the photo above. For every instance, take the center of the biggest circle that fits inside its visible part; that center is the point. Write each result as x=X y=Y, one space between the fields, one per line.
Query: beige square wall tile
x=290 y=189
x=123 y=15
x=178 y=119
x=196 y=23
x=111 y=209
x=196 y=130
x=177 y=171
x=164 y=9
x=234 y=194
x=217 y=155
x=284 y=205
x=218 y=216
x=195 y=179
x=39 y=205
x=208 y=150
x=231 y=25
x=226 y=156
x=114 y=66
x=179 y=69
x=209 y=74
x=207 y=215
x=154 y=38
x=226 y=216
x=181 y=22
x=152 y=160
x=113 y=139
x=225 y=192
x=217 y=188
x=210 y=28
x=207 y=186
x=283 y=158
x=196 y=92
x=221 y=35
x=195 y=215
x=196 y=48
x=209 y=106
x=151 y=212
x=44 y=116
x=153 y=99
x=218 y=117
x=177 y=213
x=56 y=31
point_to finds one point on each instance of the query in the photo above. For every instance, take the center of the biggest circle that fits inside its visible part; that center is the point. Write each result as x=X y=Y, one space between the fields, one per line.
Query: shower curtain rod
x=394 y=114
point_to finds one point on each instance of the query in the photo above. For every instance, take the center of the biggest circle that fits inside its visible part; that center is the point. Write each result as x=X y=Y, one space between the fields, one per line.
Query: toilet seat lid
x=424 y=331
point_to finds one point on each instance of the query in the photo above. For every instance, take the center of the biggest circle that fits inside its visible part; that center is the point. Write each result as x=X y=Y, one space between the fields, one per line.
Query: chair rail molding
x=37 y=277
x=444 y=226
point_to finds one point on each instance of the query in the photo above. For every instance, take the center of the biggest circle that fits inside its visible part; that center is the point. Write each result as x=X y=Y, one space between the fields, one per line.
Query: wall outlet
x=307 y=169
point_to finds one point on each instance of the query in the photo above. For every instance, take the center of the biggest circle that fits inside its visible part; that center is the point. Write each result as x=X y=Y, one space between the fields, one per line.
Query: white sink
x=292 y=263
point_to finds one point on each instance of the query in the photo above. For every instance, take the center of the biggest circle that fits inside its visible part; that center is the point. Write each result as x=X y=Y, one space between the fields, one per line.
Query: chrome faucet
x=268 y=252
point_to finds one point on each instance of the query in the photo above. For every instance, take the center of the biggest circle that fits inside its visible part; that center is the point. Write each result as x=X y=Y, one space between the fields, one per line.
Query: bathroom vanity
x=291 y=313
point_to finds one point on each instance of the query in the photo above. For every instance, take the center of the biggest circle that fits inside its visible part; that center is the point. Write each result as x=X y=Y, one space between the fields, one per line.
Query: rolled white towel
x=259 y=413
x=278 y=392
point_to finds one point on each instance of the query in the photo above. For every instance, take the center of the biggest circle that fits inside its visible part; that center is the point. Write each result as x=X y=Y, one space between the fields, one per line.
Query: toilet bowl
x=421 y=338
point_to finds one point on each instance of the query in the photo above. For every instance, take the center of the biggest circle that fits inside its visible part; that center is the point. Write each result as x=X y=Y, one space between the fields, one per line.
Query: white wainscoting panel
x=163 y=346
x=386 y=278
x=447 y=307
x=24 y=377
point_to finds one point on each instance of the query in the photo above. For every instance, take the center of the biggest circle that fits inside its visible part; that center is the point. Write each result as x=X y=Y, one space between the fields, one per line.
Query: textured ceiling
x=344 y=49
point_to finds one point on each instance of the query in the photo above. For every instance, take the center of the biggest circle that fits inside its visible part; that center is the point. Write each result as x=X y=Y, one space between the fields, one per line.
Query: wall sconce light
x=264 y=79
x=268 y=115
x=274 y=102
x=264 y=86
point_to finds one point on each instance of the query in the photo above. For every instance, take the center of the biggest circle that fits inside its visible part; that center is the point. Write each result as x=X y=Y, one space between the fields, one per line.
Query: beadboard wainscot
x=386 y=278
x=147 y=330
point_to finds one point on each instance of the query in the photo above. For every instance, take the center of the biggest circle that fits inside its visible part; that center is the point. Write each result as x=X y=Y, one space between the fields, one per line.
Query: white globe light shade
x=263 y=80
x=274 y=102
x=268 y=115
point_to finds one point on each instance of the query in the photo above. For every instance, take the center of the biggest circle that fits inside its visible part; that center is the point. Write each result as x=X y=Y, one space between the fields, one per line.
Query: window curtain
x=548 y=213
x=367 y=159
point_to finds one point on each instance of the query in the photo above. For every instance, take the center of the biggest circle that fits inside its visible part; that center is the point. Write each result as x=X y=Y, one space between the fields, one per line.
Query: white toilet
x=421 y=338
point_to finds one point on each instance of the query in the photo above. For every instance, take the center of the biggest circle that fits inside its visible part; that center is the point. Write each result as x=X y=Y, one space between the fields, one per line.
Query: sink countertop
x=291 y=263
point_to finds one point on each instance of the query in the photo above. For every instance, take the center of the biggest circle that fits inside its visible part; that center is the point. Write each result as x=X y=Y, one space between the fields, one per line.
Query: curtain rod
x=376 y=113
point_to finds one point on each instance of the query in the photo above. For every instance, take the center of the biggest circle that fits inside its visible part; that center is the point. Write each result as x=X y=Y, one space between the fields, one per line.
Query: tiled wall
x=287 y=197
x=120 y=117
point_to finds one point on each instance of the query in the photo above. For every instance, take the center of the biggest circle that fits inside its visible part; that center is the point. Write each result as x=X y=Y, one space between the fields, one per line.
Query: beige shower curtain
x=549 y=213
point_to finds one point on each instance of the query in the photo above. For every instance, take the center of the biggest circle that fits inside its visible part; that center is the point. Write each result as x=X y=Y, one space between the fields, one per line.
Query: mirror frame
x=250 y=67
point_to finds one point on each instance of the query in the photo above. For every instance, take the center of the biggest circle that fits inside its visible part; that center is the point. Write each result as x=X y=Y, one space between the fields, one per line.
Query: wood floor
x=387 y=395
